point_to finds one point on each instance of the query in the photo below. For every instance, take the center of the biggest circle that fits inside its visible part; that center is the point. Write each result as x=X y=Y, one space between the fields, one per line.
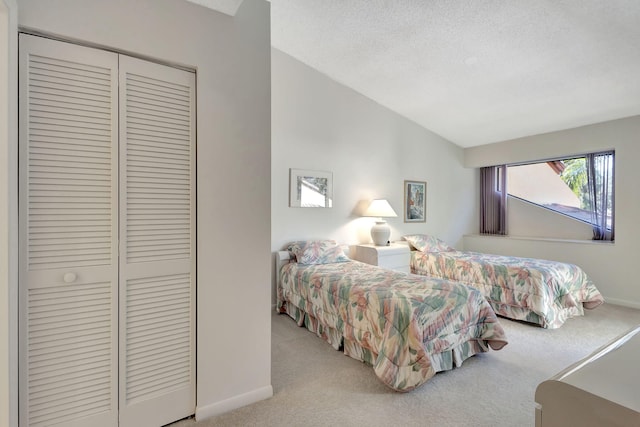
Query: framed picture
x=415 y=201
x=310 y=189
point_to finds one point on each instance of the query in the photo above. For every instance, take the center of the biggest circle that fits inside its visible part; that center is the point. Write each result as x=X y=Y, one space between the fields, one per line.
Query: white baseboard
x=234 y=402
x=622 y=302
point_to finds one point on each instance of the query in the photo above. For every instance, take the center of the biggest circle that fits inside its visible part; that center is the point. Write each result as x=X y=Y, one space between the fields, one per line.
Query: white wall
x=319 y=124
x=611 y=266
x=546 y=188
x=4 y=217
x=8 y=214
x=526 y=219
x=232 y=58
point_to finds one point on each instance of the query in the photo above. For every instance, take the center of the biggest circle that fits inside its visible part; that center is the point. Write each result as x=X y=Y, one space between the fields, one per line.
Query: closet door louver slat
x=70 y=365
x=157 y=229
x=68 y=223
x=147 y=199
x=51 y=158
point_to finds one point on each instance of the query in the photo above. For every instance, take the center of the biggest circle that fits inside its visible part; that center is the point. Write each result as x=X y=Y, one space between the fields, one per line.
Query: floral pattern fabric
x=317 y=252
x=538 y=291
x=427 y=243
x=407 y=327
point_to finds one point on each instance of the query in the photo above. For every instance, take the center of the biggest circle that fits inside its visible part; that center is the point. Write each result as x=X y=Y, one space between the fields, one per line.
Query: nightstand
x=392 y=257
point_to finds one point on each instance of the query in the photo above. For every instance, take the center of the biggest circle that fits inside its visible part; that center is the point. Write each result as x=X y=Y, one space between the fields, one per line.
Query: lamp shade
x=380 y=232
x=380 y=208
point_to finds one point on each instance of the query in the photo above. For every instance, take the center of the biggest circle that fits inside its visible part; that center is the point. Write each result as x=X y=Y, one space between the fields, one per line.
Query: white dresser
x=602 y=389
x=393 y=257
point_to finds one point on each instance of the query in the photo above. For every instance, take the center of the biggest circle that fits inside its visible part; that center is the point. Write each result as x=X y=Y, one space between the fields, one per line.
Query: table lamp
x=381 y=209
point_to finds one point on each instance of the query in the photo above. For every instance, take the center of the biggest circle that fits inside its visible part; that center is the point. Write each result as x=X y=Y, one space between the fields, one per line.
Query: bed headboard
x=282 y=258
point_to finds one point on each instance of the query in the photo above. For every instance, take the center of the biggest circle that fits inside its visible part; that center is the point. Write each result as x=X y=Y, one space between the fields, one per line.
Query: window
x=581 y=187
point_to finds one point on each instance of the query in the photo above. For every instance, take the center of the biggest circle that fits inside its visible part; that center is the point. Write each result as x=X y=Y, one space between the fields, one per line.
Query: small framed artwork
x=415 y=201
x=310 y=189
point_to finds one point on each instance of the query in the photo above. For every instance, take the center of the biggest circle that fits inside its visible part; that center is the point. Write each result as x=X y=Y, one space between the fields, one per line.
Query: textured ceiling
x=475 y=71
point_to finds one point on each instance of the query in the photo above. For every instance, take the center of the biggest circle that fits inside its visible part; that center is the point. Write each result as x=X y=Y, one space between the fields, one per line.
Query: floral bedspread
x=408 y=327
x=533 y=290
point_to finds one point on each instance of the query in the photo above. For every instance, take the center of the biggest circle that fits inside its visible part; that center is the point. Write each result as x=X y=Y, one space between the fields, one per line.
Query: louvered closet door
x=68 y=229
x=157 y=239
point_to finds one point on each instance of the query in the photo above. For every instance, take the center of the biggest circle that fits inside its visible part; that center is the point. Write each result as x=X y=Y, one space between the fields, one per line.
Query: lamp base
x=380 y=233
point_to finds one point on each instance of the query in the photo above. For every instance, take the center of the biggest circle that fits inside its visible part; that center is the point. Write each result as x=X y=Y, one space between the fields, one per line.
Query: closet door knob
x=69 y=277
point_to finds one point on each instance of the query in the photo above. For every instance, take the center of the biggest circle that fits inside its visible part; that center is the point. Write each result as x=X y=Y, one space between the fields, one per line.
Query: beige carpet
x=315 y=385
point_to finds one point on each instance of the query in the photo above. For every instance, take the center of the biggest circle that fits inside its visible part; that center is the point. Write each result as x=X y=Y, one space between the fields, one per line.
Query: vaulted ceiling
x=474 y=72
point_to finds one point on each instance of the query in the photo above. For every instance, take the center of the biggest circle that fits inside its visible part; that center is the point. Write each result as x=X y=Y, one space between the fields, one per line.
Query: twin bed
x=408 y=327
x=543 y=292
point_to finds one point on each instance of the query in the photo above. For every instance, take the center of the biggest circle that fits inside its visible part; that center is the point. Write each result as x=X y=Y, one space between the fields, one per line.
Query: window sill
x=541 y=239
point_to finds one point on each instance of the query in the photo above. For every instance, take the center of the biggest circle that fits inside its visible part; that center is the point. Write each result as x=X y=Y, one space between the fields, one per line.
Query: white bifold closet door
x=157 y=242
x=107 y=238
x=68 y=234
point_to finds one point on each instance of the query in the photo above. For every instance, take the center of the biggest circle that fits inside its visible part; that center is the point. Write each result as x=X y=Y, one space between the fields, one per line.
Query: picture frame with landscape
x=310 y=189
